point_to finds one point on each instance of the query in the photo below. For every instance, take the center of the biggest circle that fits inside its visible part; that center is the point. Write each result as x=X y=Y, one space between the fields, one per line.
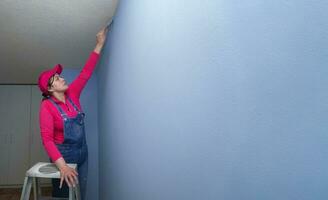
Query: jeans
x=79 y=157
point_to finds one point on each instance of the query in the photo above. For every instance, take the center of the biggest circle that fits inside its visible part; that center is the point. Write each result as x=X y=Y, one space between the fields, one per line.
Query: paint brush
x=109 y=23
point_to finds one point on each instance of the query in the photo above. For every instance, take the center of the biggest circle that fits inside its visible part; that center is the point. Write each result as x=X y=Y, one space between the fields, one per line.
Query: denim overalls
x=74 y=149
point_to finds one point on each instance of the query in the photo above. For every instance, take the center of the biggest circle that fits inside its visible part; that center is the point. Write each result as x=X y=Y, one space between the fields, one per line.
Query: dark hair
x=45 y=96
x=50 y=82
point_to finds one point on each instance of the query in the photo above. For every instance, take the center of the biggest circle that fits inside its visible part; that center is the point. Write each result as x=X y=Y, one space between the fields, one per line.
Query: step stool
x=45 y=170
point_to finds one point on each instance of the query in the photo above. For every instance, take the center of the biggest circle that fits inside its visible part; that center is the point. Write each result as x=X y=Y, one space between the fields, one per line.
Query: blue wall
x=89 y=103
x=215 y=100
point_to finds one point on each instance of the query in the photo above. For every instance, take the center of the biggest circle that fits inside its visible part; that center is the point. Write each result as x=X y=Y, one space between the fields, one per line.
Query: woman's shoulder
x=45 y=104
x=72 y=95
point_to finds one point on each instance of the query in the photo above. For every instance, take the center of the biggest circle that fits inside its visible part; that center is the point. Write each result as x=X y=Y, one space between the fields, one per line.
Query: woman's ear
x=50 y=89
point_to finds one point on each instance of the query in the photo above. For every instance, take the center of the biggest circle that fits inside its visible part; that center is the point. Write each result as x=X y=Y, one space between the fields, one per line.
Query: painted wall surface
x=215 y=100
x=89 y=103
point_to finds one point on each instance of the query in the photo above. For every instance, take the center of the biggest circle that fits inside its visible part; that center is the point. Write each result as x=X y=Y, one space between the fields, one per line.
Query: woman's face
x=57 y=84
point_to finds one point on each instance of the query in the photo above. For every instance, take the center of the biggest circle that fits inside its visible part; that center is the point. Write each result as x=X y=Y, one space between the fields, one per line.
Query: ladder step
x=51 y=198
x=45 y=170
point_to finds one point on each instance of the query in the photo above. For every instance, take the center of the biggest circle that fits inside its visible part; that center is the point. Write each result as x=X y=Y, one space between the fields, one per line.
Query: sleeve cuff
x=95 y=53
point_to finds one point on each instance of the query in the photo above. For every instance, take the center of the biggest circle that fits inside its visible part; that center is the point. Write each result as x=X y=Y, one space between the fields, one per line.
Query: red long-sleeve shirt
x=51 y=122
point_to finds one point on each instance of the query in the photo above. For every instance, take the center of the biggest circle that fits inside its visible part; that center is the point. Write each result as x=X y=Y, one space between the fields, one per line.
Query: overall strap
x=75 y=107
x=62 y=113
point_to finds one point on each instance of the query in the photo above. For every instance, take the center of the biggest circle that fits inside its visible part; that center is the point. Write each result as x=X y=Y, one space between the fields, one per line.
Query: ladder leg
x=26 y=188
x=36 y=188
x=77 y=192
x=39 y=187
x=71 y=195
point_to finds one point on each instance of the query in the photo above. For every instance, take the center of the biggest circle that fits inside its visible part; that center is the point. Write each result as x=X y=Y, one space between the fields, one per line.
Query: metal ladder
x=45 y=170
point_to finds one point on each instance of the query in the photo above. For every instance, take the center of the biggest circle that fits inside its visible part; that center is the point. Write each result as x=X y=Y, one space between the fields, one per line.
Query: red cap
x=46 y=75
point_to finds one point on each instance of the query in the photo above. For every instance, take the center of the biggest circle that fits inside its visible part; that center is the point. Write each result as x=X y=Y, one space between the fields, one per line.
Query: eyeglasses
x=53 y=78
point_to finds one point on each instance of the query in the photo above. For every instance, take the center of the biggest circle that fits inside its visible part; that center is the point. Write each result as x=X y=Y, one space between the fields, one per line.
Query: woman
x=62 y=122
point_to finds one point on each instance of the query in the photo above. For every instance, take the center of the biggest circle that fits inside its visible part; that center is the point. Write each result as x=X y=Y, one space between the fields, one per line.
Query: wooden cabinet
x=20 y=141
x=37 y=152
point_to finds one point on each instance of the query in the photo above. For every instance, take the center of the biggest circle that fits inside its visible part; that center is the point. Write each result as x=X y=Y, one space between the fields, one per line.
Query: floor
x=15 y=193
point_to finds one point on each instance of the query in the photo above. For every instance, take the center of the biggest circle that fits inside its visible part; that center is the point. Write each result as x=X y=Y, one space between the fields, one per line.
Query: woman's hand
x=101 y=39
x=66 y=173
x=69 y=175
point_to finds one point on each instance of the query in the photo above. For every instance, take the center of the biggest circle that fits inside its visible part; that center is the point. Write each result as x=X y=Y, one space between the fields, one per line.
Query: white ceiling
x=37 y=34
